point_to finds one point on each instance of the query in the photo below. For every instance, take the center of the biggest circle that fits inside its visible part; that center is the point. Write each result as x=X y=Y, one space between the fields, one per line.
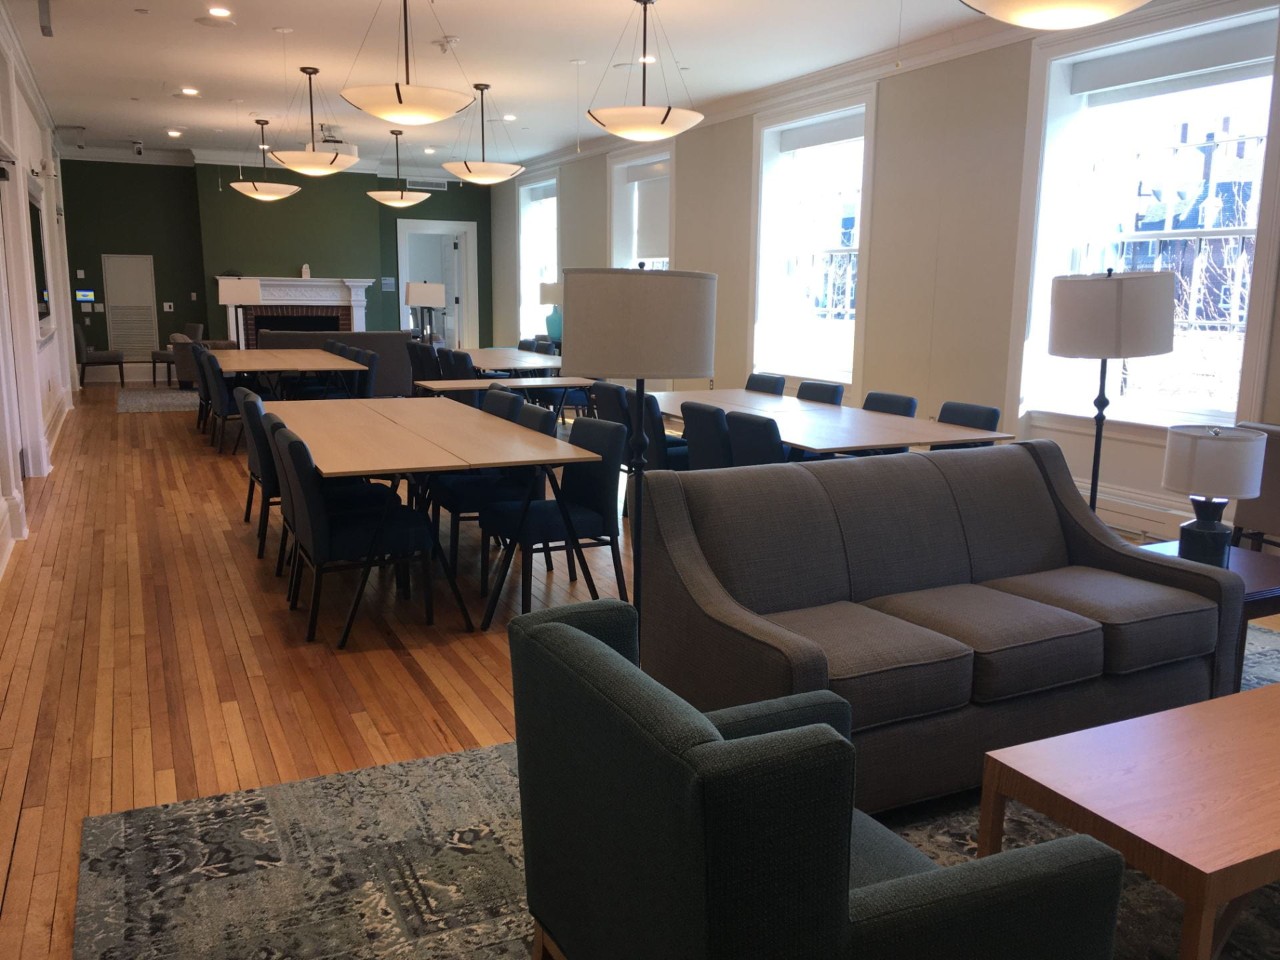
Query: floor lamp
x=638 y=324
x=425 y=295
x=1110 y=316
x=239 y=292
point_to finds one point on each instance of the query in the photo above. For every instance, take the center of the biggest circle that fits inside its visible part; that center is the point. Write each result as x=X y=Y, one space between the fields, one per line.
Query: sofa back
x=393 y=377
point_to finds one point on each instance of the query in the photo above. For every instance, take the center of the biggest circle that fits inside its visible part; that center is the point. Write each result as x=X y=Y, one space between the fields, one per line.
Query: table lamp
x=1108 y=316
x=428 y=295
x=1212 y=465
x=552 y=294
x=238 y=292
x=638 y=324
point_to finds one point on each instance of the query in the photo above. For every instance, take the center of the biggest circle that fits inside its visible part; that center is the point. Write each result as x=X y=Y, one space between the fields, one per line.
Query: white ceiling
x=114 y=71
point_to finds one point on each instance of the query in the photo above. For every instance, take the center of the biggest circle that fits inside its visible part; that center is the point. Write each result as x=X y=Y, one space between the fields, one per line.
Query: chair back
x=821 y=391
x=271 y=427
x=424 y=364
x=610 y=401
x=537 y=418
x=968 y=415
x=767 y=383
x=754 y=439
x=78 y=337
x=894 y=403
x=501 y=402
x=194 y=331
x=310 y=514
x=365 y=378
x=198 y=351
x=529 y=344
x=655 y=429
x=219 y=395
x=330 y=346
x=595 y=485
x=1262 y=513
x=707 y=431
x=464 y=368
x=445 y=356
x=261 y=464
x=545 y=346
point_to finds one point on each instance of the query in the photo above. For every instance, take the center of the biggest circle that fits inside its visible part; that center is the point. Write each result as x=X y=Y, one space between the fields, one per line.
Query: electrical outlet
x=79 y=274
x=194 y=298
x=168 y=307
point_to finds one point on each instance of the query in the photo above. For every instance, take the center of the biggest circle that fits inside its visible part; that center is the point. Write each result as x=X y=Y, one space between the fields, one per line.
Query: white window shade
x=653 y=219
x=848 y=127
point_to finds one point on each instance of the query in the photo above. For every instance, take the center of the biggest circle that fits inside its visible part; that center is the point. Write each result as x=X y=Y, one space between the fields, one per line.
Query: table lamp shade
x=239 y=291
x=1107 y=316
x=638 y=323
x=1214 y=462
x=551 y=294
x=424 y=295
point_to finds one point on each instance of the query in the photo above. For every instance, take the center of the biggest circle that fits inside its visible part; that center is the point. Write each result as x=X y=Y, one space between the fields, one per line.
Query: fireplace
x=295 y=322
x=269 y=316
x=297 y=303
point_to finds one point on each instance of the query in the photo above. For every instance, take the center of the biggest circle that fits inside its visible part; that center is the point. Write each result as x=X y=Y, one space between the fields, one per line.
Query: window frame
x=523 y=201
x=619 y=162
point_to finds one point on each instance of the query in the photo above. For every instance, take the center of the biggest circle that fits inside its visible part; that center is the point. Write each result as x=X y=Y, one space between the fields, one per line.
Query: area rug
x=422 y=861
x=155 y=400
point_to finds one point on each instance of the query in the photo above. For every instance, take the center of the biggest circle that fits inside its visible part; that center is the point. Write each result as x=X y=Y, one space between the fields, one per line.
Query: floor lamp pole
x=1100 y=401
x=639 y=444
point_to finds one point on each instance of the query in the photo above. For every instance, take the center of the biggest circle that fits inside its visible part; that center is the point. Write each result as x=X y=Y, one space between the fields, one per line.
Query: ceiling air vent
x=427 y=184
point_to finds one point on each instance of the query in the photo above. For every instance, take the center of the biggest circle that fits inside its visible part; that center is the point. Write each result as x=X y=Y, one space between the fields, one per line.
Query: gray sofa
x=960 y=601
x=393 y=377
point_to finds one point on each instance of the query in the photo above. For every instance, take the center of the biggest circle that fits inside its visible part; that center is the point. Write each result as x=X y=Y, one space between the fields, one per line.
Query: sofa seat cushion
x=888 y=669
x=1020 y=646
x=1144 y=624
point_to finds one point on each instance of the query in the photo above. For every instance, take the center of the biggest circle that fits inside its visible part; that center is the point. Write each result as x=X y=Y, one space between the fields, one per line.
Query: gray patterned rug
x=155 y=400
x=422 y=861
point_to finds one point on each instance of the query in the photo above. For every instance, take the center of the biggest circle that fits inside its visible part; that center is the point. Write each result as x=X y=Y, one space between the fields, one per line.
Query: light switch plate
x=193 y=296
x=79 y=274
x=99 y=308
x=168 y=307
x=86 y=308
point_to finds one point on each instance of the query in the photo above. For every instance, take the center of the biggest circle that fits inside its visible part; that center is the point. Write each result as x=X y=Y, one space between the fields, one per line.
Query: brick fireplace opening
x=326 y=317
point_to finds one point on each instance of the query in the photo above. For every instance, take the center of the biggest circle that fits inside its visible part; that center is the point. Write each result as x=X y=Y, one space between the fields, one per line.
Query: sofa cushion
x=900 y=524
x=1144 y=624
x=769 y=534
x=888 y=669
x=1020 y=646
x=1010 y=520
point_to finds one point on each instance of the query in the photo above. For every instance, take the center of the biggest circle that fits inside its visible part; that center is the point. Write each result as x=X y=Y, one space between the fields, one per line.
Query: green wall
x=129 y=208
x=196 y=227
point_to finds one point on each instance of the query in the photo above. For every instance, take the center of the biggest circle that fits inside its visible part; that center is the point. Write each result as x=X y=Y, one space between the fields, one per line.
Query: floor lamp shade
x=239 y=291
x=424 y=295
x=638 y=324
x=1110 y=316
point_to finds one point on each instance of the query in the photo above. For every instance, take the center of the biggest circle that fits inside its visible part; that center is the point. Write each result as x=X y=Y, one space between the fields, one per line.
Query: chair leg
x=526 y=579
x=153 y=373
x=222 y=433
x=572 y=562
x=121 y=374
x=546 y=555
x=428 y=589
x=402 y=580
x=295 y=577
x=264 y=515
x=317 y=578
x=235 y=447
x=457 y=594
x=284 y=542
x=454 y=524
x=168 y=374
x=248 y=503
x=617 y=569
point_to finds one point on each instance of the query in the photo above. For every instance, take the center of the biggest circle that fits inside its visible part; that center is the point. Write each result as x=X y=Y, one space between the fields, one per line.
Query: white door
x=130 y=289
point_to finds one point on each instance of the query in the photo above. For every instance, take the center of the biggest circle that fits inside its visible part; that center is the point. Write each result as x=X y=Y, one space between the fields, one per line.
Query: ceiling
x=113 y=67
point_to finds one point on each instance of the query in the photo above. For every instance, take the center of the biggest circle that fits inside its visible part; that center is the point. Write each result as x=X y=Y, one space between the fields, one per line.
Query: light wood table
x=283 y=361
x=512 y=383
x=827 y=427
x=1189 y=796
x=509 y=358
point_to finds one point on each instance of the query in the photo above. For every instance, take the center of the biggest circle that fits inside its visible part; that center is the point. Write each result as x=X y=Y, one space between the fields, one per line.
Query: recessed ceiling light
x=190 y=92
x=175 y=134
x=509 y=117
x=429 y=150
x=219 y=12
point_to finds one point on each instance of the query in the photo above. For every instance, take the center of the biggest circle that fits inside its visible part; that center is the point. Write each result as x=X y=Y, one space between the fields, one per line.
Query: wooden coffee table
x=1189 y=796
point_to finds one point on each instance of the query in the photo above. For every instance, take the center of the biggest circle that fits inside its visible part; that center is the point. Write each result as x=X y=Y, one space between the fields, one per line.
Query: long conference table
x=511 y=358
x=826 y=427
x=283 y=361
x=397 y=436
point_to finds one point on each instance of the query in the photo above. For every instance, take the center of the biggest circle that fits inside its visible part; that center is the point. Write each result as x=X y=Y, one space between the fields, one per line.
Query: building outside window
x=810 y=221
x=539 y=254
x=1158 y=173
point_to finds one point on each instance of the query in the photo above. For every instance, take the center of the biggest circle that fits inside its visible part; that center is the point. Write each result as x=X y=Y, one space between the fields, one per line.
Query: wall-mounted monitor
x=85 y=296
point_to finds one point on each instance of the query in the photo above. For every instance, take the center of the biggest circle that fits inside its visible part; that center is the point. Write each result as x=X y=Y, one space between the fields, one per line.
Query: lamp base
x=1206 y=539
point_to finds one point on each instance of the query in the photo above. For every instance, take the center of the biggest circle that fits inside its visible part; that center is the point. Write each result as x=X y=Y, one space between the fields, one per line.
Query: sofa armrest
x=699 y=641
x=1054 y=901
x=785 y=713
x=1091 y=543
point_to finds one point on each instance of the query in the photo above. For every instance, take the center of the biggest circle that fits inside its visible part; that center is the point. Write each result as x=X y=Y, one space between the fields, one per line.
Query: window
x=539 y=256
x=641 y=198
x=1152 y=169
x=810 y=220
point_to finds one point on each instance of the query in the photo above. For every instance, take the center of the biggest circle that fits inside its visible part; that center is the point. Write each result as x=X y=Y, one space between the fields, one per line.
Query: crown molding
x=26 y=79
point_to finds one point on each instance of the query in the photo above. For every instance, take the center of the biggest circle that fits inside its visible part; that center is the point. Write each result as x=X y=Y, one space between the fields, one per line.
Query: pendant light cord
x=644 y=54
x=482 y=151
x=405 y=14
x=311 y=102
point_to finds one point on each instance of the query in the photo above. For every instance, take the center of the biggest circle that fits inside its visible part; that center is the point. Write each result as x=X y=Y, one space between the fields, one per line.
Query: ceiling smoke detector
x=445 y=43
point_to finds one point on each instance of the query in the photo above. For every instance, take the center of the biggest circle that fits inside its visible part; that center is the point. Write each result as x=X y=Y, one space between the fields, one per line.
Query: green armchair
x=654 y=830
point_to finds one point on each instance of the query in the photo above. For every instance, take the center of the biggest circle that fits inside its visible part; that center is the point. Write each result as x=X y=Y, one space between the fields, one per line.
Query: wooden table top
x=509 y=358
x=1259 y=571
x=1184 y=794
x=826 y=427
x=275 y=361
x=357 y=438
x=511 y=383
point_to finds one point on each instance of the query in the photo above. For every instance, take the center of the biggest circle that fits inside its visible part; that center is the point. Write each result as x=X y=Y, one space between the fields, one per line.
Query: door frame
x=106 y=296
x=469 y=327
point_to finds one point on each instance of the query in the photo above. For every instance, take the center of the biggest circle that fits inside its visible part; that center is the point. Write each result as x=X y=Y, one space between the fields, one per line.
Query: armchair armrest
x=1053 y=901
x=612 y=622
x=785 y=713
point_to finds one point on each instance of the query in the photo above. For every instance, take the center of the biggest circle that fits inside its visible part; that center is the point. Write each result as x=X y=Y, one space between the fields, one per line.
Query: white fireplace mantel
x=309 y=292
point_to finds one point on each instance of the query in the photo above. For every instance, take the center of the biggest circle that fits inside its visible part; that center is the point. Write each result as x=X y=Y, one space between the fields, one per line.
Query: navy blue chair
x=767 y=383
x=664 y=452
x=968 y=415
x=222 y=406
x=530 y=344
x=424 y=364
x=262 y=467
x=707 y=431
x=754 y=439
x=894 y=403
x=464 y=368
x=820 y=391
x=198 y=351
x=501 y=402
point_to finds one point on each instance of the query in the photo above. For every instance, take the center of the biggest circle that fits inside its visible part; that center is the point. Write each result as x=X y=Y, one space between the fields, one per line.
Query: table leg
x=1198 y=923
x=991 y=814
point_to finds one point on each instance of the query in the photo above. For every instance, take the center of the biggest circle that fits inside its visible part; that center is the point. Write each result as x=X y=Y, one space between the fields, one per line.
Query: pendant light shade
x=402 y=197
x=403 y=103
x=1053 y=14
x=264 y=189
x=317 y=160
x=485 y=173
x=644 y=123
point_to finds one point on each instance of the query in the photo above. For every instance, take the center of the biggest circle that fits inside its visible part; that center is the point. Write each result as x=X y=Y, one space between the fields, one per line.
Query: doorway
x=130 y=291
x=443 y=251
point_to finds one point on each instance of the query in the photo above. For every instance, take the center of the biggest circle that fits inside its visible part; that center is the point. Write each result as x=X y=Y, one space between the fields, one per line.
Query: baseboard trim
x=133 y=371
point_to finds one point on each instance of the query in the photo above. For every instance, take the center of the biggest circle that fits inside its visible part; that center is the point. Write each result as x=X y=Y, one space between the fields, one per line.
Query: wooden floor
x=147 y=656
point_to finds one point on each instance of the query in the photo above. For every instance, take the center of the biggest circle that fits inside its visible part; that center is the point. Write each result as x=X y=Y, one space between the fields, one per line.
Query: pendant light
x=484 y=172
x=401 y=197
x=1053 y=14
x=264 y=189
x=317 y=161
x=403 y=103
x=644 y=123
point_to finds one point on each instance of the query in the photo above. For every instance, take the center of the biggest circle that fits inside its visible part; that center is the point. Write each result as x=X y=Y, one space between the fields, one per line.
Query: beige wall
x=504 y=215
x=948 y=155
x=582 y=202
